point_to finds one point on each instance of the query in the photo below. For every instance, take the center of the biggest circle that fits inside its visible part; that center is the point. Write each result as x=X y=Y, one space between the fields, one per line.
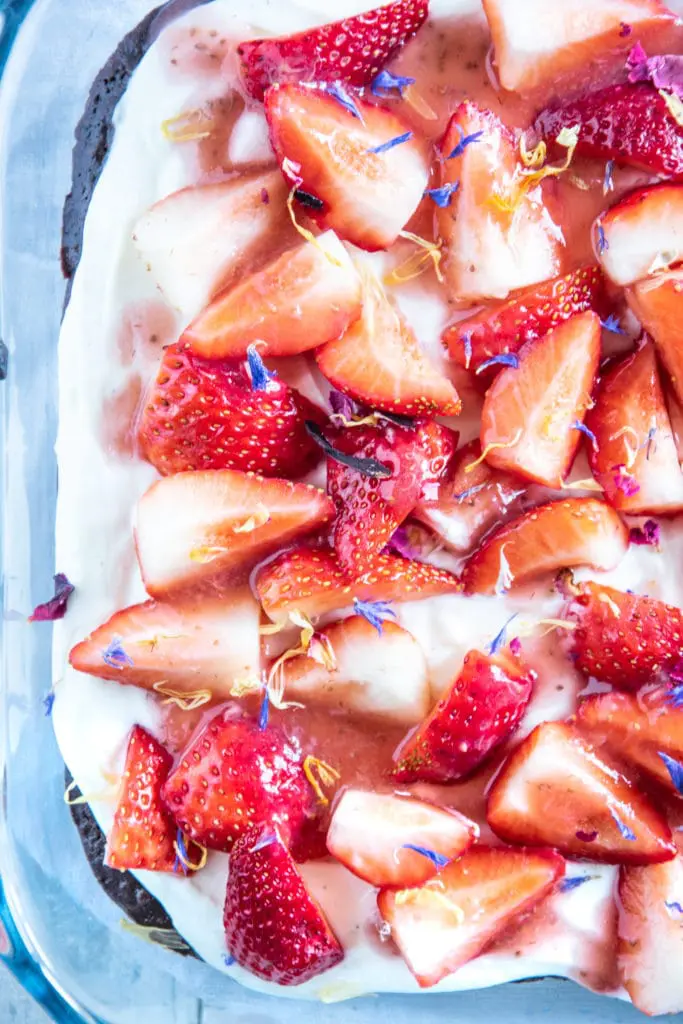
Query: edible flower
x=374 y=612
x=115 y=656
x=48 y=703
x=261 y=378
x=465 y=141
x=182 y=859
x=368 y=467
x=664 y=72
x=337 y=91
x=186 y=700
x=529 y=177
x=648 y=534
x=467 y=347
x=603 y=244
x=189 y=126
x=319 y=774
x=56 y=607
x=568 y=884
x=383 y=147
x=625 y=481
x=504 y=359
x=437 y=859
x=675 y=906
x=342 y=406
x=505 y=578
x=612 y=324
x=499 y=639
x=384 y=83
x=267 y=840
x=263 y=712
x=675 y=770
x=576 y=425
x=624 y=829
x=229 y=960
x=608 y=180
x=491 y=447
x=442 y=196
x=675 y=695
x=625 y=29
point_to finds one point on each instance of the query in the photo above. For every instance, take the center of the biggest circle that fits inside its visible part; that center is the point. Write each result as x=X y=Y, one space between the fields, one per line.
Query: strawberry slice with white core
x=650 y=932
x=531 y=409
x=379 y=362
x=195 y=239
x=556 y=790
x=491 y=251
x=368 y=171
x=190 y=645
x=352 y=51
x=536 y=43
x=363 y=681
x=641 y=234
x=575 y=531
x=396 y=840
x=451 y=919
x=310 y=580
x=658 y=303
x=305 y=298
x=634 y=456
x=192 y=527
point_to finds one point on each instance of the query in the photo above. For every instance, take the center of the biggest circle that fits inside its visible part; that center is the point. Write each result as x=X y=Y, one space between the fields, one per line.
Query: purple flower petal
x=664 y=72
x=55 y=608
x=586 y=837
x=649 y=533
x=625 y=481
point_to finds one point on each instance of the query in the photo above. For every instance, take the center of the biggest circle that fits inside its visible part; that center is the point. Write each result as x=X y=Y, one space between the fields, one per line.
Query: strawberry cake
x=369 y=641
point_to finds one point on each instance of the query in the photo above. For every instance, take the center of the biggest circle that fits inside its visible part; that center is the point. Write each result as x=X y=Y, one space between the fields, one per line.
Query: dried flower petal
x=337 y=91
x=626 y=832
x=261 y=378
x=504 y=359
x=499 y=639
x=368 y=467
x=648 y=534
x=390 y=143
x=576 y=425
x=115 y=656
x=56 y=607
x=384 y=83
x=437 y=859
x=675 y=770
x=625 y=481
x=465 y=140
x=568 y=884
x=374 y=612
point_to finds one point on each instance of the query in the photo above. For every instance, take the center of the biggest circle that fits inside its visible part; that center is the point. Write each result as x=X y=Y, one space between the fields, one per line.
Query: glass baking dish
x=59 y=933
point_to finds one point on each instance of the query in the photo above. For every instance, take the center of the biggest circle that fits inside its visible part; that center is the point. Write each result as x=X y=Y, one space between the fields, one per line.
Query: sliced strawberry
x=628 y=123
x=575 y=531
x=310 y=581
x=540 y=47
x=466 y=504
x=208 y=414
x=490 y=251
x=443 y=924
x=623 y=638
x=531 y=314
x=555 y=790
x=375 y=835
x=641 y=234
x=193 y=527
x=274 y=928
x=658 y=303
x=367 y=196
x=368 y=660
x=379 y=362
x=481 y=709
x=194 y=240
x=143 y=831
x=198 y=644
x=530 y=409
x=651 y=937
x=305 y=298
x=351 y=51
x=634 y=457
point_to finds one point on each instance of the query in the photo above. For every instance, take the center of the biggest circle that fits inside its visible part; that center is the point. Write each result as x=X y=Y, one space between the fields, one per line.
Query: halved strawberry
x=542 y=46
x=556 y=790
x=490 y=251
x=631 y=124
x=351 y=51
x=200 y=643
x=633 y=456
x=531 y=314
x=368 y=660
x=368 y=171
x=304 y=298
x=193 y=527
x=209 y=414
x=143 y=831
x=310 y=580
x=274 y=928
x=574 y=531
x=379 y=362
x=466 y=504
x=658 y=303
x=195 y=239
x=641 y=234
x=234 y=774
x=650 y=931
x=529 y=413
x=624 y=639
x=396 y=840
x=482 y=707
x=449 y=920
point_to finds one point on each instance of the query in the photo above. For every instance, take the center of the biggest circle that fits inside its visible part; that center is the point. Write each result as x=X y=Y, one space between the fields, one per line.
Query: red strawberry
x=143 y=831
x=305 y=298
x=375 y=834
x=379 y=362
x=368 y=193
x=575 y=531
x=351 y=51
x=200 y=644
x=274 y=928
x=651 y=937
x=531 y=314
x=311 y=581
x=658 y=303
x=627 y=123
x=451 y=919
x=530 y=409
x=481 y=709
x=633 y=456
x=206 y=414
x=233 y=775
x=466 y=504
x=555 y=790
x=194 y=527
x=641 y=234
x=622 y=638
x=490 y=251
